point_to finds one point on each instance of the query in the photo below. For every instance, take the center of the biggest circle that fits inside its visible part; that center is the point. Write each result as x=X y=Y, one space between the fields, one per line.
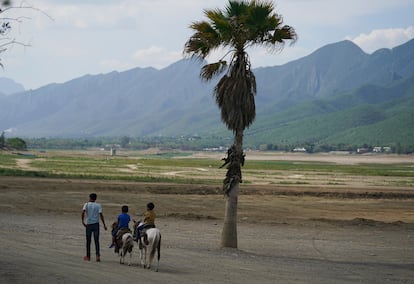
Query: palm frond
x=203 y=41
x=241 y=24
x=221 y=25
x=283 y=34
x=208 y=71
x=237 y=9
x=235 y=93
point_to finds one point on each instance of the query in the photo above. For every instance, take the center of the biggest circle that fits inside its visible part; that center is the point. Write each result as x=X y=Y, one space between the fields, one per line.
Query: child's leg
x=113 y=239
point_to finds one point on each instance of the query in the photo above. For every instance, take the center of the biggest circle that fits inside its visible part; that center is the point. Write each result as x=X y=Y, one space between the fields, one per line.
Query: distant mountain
x=135 y=102
x=331 y=70
x=8 y=86
x=329 y=95
x=367 y=115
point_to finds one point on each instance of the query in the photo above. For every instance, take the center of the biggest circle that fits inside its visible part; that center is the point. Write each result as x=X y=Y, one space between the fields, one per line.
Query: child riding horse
x=148 y=222
x=119 y=228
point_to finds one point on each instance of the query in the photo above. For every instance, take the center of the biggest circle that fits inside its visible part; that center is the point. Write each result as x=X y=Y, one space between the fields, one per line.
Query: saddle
x=146 y=227
x=144 y=235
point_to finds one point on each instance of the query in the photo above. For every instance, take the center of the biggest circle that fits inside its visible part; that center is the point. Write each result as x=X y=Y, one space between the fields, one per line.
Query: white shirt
x=93 y=210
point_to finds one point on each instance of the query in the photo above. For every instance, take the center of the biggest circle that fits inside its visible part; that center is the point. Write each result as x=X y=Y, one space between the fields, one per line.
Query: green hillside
x=369 y=115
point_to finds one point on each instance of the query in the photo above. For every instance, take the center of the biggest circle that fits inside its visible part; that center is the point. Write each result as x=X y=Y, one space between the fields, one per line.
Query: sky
x=60 y=40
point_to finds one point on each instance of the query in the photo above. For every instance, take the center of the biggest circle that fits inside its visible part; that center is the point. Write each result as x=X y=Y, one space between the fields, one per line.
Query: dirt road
x=42 y=240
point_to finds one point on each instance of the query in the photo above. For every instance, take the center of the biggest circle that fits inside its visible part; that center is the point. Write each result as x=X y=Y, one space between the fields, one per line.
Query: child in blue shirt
x=122 y=224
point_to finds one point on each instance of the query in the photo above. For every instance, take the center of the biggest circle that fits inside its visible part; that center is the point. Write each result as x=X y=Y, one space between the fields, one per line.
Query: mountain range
x=9 y=86
x=337 y=94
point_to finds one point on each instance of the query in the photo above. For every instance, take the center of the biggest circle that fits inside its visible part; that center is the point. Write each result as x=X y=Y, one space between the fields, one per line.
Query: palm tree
x=241 y=25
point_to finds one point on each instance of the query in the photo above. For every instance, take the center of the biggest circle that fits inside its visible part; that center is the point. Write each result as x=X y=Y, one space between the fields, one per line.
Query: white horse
x=127 y=245
x=154 y=244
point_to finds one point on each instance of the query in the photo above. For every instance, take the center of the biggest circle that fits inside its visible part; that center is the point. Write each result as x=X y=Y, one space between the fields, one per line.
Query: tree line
x=14 y=143
x=185 y=143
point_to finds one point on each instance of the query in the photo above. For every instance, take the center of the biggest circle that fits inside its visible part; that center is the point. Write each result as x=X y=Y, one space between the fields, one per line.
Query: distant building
x=214 y=149
x=362 y=150
x=299 y=149
x=379 y=149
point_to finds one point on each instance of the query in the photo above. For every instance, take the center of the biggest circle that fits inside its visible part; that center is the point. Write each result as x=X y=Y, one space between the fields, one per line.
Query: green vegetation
x=7 y=160
x=213 y=142
x=400 y=170
x=370 y=115
x=16 y=143
x=12 y=143
x=22 y=173
x=151 y=168
x=176 y=167
x=2 y=140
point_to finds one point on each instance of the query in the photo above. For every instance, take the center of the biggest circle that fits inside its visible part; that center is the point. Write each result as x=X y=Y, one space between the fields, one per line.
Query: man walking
x=93 y=212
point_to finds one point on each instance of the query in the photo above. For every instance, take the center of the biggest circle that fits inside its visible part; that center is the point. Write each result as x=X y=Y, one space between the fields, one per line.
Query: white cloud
x=10 y=130
x=385 y=38
x=90 y=15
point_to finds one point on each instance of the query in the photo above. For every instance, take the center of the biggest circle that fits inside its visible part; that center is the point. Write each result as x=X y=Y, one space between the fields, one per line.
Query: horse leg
x=130 y=252
x=121 y=259
x=158 y=262
x=145 y=257
x=151 y=256
x=141 y=255
x=123 y=252
x=158 y=253
x=155 y=248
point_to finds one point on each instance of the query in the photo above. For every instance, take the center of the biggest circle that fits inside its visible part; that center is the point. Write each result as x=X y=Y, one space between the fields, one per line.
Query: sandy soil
x=287 y=236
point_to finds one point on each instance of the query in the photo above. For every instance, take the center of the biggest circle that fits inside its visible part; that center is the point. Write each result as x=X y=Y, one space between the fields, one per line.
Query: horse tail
x=127 y=245
x=155 y=244
x=159 y=248
x=127 y=242
x=130 y=243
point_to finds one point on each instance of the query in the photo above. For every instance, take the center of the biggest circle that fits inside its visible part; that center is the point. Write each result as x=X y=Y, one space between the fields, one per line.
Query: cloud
x=90 y=15
x=385 y=38
x=10 y=130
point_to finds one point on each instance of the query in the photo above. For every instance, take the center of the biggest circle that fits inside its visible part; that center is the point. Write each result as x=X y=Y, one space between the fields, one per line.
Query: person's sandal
x=98 y=258
x=86 y=258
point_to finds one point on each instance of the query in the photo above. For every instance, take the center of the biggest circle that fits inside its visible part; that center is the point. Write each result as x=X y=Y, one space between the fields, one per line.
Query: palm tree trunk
x=231 y=189
x=229 y=233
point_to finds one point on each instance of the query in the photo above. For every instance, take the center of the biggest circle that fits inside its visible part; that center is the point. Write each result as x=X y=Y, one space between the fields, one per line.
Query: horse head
x=136 y=224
